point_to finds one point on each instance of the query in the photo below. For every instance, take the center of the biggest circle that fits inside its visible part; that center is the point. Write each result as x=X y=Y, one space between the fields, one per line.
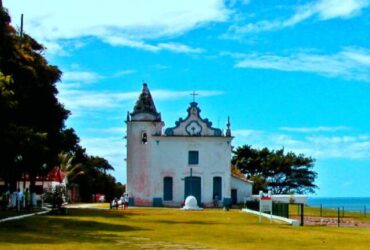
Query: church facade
x=164 y=166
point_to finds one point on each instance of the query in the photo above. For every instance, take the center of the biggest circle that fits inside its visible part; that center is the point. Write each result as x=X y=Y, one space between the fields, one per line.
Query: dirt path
x=91 y=205
x=18 y=217
x=333 y=221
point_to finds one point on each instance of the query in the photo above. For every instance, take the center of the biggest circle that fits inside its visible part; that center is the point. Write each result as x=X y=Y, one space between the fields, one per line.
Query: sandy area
x=331 y=221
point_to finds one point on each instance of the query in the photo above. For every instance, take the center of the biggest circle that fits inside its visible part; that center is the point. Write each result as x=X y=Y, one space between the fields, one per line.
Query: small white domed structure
x=191 y=203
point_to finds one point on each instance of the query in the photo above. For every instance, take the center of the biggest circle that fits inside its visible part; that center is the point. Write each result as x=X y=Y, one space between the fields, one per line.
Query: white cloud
x=173 y=95
x=128 y=23
x=122 y=41
x=328 y=9
x=77 y=99
x=321 y=10
x=75 y=78
x=54 y=48
x=82 y=99
x=179 y=48
x=350 y=63
x=62 y=48
x=80 y=76
x=173 y=47
x=360 y=56
x=111 y=130
x=351 y=147
x=124 y=73
x=314 y=129
x=317 y=146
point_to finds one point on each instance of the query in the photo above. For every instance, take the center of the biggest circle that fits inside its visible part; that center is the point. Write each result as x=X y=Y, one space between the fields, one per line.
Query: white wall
x=170 y=158
x=139 y=161
x=244 y=189
x=167 y=156
x=148 y=164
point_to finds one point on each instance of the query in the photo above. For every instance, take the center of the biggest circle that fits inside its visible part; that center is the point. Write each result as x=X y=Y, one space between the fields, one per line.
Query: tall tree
x=276 y=170
x=32 y=131
x=37 y=119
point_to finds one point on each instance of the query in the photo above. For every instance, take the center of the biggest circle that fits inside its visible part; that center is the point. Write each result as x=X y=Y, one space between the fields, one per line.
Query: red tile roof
x=56 y=175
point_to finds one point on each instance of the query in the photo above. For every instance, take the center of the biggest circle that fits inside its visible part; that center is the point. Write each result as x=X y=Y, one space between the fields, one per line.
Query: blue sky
x=293 y=74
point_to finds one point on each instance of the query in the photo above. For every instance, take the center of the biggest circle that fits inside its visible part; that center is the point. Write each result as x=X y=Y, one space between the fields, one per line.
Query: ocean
x=348 y=203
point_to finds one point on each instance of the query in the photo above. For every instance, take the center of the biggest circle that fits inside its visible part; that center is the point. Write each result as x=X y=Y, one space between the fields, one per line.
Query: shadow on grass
x=91 y=212
x=61 y=229
x=109 y=213
x=190 y=222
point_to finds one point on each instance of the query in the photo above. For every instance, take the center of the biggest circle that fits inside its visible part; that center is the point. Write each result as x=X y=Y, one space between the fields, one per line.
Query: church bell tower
x=143 y=123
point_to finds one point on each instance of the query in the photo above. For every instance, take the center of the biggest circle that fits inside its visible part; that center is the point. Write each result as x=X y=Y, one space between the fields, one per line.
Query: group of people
x=121 y=202
x=16 y=200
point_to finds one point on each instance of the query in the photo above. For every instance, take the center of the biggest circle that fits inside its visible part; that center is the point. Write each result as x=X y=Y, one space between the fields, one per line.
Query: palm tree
x=69 y=168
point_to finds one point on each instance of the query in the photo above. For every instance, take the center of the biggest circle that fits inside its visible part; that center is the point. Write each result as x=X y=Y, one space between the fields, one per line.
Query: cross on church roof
x=194 y=94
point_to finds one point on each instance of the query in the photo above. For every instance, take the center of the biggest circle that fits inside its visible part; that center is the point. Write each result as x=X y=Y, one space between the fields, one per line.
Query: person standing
x=27 y=197
x=215 y=201
x=8 y=199
x=125 y=204
x=13 y=199
x=19 y=199
x=4 y=199
x=122 y=201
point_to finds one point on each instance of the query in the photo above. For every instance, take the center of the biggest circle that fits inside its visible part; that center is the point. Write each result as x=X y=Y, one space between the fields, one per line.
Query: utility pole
x=21 y=25
x=1 y=4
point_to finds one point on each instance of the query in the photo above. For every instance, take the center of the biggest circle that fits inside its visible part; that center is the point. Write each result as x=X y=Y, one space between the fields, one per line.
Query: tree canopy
x=33 y=119
x=276 y=170
x=91 y=173
x=32 y=129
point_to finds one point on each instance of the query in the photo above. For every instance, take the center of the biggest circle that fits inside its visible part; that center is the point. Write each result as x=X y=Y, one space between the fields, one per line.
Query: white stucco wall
x=162 y=156
x=170 y=158
x=167 y=154
x=139 y=160
x=244 y=189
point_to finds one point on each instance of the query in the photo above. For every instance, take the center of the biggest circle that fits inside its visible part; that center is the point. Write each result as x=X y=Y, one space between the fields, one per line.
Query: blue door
x=167 y=189
x=217 y=187
x=193 y=187
x=234 y=196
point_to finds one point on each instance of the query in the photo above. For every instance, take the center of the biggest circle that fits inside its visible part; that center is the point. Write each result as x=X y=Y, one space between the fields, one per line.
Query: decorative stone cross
x=194 y=94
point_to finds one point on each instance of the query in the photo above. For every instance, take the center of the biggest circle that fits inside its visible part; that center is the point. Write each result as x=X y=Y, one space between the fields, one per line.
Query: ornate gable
x=193 y=125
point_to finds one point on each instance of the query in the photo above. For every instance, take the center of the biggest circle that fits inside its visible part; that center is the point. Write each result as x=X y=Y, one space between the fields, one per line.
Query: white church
x=164 y=166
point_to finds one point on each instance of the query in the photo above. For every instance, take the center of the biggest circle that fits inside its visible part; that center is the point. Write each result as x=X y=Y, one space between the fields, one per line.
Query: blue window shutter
x=193 y=157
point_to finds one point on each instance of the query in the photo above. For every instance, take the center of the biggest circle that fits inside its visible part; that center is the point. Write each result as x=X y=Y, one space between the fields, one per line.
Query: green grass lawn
x=165 y=228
